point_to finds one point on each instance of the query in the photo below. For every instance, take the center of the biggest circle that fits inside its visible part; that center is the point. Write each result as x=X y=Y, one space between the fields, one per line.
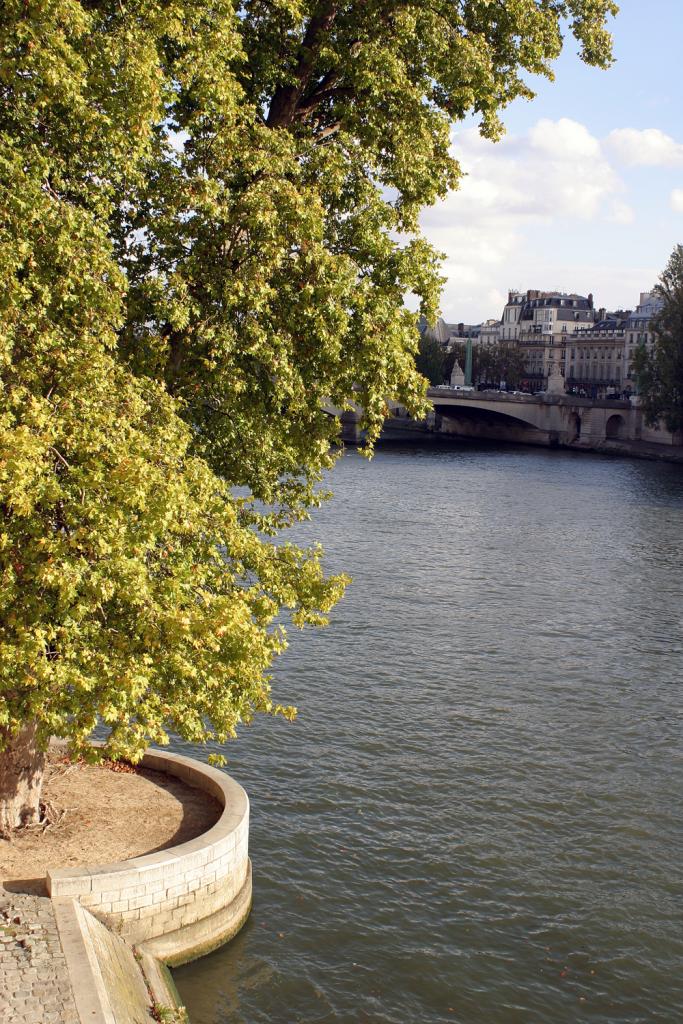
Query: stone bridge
x=545 y=419
x=550 y=420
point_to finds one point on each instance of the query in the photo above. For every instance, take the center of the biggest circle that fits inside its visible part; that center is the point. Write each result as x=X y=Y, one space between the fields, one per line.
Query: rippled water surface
x=477 y=816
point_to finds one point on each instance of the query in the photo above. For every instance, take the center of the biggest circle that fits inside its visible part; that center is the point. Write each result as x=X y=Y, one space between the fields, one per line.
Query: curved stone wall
x=183 y=901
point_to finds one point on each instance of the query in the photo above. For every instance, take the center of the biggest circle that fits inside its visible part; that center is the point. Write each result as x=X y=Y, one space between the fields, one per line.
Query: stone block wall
x=165 y=892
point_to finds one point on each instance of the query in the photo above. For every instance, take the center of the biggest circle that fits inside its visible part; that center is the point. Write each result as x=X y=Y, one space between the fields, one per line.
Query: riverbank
x=60 y=965
x=113 y=927
x=439 y=432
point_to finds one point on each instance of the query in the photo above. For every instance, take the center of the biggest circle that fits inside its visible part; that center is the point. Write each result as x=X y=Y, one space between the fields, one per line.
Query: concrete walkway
x=34 y=981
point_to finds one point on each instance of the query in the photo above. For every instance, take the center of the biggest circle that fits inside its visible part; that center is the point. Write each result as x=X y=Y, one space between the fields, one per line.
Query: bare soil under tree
x=97 y=815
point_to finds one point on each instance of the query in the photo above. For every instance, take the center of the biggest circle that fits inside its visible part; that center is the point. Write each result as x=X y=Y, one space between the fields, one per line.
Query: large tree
x=209 y=224
x=659 y=370
x=134 y=592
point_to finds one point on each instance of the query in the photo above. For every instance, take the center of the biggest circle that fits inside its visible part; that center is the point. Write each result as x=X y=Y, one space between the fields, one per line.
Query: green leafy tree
x=135 y=589
x=490 y=363
x=209 y=224
x=501 y=362
x=659 y=372
x=430 y=359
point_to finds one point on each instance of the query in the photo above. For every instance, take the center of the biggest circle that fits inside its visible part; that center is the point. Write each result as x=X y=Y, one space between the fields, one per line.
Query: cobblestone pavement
x=34 y=983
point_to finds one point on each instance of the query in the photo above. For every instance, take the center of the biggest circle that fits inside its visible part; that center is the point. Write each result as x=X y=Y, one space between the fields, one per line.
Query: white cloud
x=676 y=200
x=621 y=213
x=563 y=136
x=612 y=286
x=550 y=185
x=648 y=147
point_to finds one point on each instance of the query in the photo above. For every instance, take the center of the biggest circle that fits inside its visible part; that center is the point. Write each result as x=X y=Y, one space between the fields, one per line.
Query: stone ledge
x=107 y=983
x=174 y=889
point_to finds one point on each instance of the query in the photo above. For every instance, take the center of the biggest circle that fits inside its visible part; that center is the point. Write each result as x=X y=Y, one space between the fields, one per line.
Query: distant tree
x=430 y=359
x=490 y=363
x=659 y=372
x=502 y=362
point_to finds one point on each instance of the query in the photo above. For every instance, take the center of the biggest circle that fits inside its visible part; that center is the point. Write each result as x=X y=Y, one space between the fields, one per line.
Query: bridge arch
x=486 y=421
x=615 y=426
x=518 y=416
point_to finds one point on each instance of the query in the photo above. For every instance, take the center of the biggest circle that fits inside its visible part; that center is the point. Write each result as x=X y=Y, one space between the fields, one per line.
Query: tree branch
x=309 y=104
x=286 y=98
x=325 y=133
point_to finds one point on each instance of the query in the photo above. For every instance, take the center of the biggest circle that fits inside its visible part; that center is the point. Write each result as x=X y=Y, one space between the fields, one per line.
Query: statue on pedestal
x=457 y=376
x=555 y=385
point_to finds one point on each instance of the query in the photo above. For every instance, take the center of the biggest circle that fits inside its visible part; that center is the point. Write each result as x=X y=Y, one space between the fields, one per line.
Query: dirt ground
x=103 y=814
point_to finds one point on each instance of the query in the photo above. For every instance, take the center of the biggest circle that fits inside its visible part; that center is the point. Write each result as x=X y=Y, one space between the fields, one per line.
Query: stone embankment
x=609 y=426
x=97 y=950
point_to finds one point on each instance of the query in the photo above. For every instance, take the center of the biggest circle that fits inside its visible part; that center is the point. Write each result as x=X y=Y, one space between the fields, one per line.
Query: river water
x=477 y=816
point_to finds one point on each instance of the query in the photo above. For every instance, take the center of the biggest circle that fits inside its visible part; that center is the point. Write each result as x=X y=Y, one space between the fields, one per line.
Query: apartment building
x=562 y=332
x=638 y=331
x=600 y=358
x=545 y=321
x=509 y=322
x=595 y=360
x=490 y=332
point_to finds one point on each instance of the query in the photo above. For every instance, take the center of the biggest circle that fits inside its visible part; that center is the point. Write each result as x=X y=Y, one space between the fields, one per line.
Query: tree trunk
x=21 y=779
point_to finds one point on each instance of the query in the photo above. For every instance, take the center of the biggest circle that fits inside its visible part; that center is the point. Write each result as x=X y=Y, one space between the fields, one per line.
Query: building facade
x=509 y=322
x=600 y=358
x=561 y=333
x=638 y=331
x=546 y=320
x=490 y=332
x=595 y=363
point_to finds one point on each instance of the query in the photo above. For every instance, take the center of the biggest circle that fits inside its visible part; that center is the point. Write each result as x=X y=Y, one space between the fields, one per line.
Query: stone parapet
x=195 y=895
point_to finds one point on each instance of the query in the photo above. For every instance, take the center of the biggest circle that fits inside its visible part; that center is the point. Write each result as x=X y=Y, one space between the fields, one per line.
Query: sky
x=585 y=191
